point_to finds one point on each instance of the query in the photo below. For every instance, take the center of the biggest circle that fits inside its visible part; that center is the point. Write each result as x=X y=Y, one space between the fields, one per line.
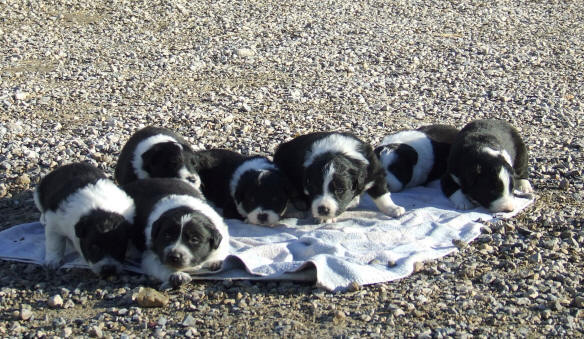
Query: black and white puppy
x=156 y=152
x=332 y=170
x=487 y=161
x=415 y=157
x=250 y=188
x=78 y=204
x=175 y=230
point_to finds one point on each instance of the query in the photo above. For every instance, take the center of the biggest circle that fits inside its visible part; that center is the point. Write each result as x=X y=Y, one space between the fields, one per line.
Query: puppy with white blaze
x=80 y=206
x=415 y=157
x=250 y=188
x=156 y=152
x=487 y=162
x=176 y=231
x=332 y=170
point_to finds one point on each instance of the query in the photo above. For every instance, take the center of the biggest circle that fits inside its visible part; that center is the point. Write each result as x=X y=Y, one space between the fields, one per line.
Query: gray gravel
x=78 y=77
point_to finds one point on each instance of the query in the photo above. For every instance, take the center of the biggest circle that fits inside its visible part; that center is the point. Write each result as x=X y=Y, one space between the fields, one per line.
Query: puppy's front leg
x=382 y=199
x=153 y=267
x=55 y=245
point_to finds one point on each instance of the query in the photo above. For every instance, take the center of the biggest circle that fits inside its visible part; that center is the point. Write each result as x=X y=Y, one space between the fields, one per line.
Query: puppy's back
x=63 y=181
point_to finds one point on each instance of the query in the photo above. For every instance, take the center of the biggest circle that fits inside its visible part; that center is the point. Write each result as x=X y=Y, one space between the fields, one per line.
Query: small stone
x=25 y=314
x=459 y=243
x=19 y=95
x=95 y=332
x=192 y=332
x=23 y=180
x=189 y=321
x=578 y=301
x=55 y=301
x=245 y=52
x=564 y=184
x=535 y=258
x=418 y=266
x=398 y=312
x=339 y=316
x=67 y=332
x=354 y=286
x=149 y=297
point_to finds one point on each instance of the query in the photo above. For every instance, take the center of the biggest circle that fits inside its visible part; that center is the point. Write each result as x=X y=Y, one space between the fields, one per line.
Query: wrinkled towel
x=362 y=246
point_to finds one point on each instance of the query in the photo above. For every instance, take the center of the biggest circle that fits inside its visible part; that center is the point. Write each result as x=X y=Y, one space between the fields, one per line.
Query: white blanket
x=363 y=246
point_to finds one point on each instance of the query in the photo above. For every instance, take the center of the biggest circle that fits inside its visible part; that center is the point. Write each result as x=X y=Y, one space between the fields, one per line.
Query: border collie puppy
x=332 y=170
x=250 y=188
x=175 y=230
x=80 y=205
x=156 y=152
x=488 y=160
x=415 y=157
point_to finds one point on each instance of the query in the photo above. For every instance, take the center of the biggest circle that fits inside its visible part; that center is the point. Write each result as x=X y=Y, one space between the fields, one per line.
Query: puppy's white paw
x=178 y=279
x=460 y=201
x=394 y=211
x=327 y=221
x=524 y=186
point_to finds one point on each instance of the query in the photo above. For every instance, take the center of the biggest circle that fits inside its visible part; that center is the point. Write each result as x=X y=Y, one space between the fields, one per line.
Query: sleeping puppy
x=80 y=205
x=415 y=157
x=156 y=152
x=488 y=160
x=250 y=188
x=332 y=170
x=175 y=230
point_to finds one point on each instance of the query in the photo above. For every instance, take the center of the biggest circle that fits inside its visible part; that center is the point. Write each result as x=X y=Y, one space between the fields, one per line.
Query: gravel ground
x=78 y=77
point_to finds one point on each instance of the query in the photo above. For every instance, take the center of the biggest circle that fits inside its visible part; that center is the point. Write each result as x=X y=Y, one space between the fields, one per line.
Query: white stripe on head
x=143 y=146
x=256 y=164
x=496 y=153
x=326 y=199
x=104 y=195
x=420 y=142
x=506 y=202
x=335 y=143
x=173 y=201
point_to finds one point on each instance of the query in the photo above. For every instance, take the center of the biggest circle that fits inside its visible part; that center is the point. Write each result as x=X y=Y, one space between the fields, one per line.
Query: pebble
x=55 y=301
x=149 y=297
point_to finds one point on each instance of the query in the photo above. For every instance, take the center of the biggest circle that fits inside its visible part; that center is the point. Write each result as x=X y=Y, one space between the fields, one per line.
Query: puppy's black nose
x=108 y=270
x=323 y=210
x=174 y=258
x=262 y=217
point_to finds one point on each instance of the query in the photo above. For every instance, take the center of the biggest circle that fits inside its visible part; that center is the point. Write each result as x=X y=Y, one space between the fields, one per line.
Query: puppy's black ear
x=215 y=238
x=161 y=156
x=82 y=227
x=358 y=173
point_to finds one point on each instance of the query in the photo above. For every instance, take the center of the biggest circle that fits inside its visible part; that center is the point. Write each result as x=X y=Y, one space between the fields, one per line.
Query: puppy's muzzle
x=263 y=218
x=323 y=211
x=175 y=258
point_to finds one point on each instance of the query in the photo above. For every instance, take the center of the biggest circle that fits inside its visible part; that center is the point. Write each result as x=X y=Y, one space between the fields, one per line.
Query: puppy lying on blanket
x=250 y=188
x=156 y=152
x=415 y=157
x=488 y=160
x=176 y=230
x=333 y=170
x=79 y=204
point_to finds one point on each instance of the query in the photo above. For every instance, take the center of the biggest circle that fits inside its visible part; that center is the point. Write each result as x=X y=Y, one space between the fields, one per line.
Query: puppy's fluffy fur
x=488 y=160
x=176 y=230
x=80 y=205
x=250 y=188
x=331 y=170
x=415 y=157
x=156 y=152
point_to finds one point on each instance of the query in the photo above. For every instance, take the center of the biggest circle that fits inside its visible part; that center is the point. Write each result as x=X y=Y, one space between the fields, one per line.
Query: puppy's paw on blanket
x=178 y=279
x=460 y=201
x=524 y=186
